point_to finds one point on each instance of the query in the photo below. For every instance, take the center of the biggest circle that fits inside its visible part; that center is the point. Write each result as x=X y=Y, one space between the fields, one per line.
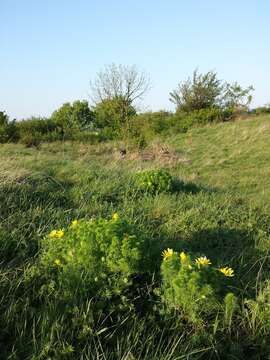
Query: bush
x=182 y=121
x=150 y=124
x=73 y=116
x=8 y=129
x=192 y=286
x=154 y=181
x=93 y=258
x=206 y=91
x=113 y=115
x=34 y=130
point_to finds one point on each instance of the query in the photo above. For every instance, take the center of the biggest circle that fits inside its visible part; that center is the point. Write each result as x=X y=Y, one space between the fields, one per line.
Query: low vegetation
x=136 y=236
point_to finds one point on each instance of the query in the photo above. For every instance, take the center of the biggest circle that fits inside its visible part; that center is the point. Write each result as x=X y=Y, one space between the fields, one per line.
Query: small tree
x=204 y=91
x=236 y=98
x=199 y=92
x=120 y=81
x=121 y=86
x=76 y=115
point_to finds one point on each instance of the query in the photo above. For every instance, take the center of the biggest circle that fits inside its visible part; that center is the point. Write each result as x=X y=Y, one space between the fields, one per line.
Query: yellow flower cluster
x=183 y=256
x=227 y=271
x=115 y=216
x=74 y=224
x=56 y=234
x=167 y=253
x=57 y=262
x=201 y=261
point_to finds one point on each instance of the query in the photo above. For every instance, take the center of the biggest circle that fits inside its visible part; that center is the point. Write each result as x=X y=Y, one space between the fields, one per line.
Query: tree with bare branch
x=120 y=81
x=119 y=87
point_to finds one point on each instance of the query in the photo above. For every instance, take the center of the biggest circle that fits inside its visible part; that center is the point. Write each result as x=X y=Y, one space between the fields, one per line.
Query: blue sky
x=49 y=50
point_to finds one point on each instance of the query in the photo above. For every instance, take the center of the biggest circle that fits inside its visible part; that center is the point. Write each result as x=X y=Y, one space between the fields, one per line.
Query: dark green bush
x=8 y=129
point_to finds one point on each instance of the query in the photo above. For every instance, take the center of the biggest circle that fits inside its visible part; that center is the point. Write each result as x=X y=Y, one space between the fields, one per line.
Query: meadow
x=215 y=206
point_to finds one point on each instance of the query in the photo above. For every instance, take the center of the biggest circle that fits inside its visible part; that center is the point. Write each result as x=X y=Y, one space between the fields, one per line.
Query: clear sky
x=50 y=49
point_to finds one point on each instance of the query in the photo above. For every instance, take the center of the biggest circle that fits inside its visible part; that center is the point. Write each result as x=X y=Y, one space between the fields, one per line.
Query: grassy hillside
x=219 y=208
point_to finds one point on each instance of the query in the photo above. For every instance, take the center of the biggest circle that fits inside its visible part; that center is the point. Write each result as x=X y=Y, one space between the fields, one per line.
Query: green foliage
x=154 y=181
x=200 y=92
x=92 y=258
x=149 y=124
x=193 y=287
x=3 y=119
x=8 y=129
x=73 y=116
x=236 y=98
x=113 y=116
x=62 y=310
x=206 y=91
x=182 y=121
x=36 y=129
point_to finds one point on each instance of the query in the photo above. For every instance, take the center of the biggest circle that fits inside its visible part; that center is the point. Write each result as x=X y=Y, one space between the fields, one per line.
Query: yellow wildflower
x=227 y=271
x=74 y=223
x=183 y=256
x=115 y=216
x=167 y=253
x=57 y=262
x=202 y=261
x=56 y=233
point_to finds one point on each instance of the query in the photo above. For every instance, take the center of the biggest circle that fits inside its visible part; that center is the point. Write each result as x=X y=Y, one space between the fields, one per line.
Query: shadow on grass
x=28 y=209
x=235 y=248
x=190 y=187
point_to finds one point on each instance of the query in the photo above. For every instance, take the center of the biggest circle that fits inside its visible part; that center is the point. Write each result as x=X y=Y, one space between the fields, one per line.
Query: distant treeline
x=199 y=100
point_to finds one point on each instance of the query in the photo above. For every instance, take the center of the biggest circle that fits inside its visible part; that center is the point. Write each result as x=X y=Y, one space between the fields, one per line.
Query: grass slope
x=220 y=210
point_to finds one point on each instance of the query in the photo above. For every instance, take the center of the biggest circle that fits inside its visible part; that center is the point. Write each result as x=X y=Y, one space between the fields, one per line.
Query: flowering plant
x=96 y=257
x=191 y=285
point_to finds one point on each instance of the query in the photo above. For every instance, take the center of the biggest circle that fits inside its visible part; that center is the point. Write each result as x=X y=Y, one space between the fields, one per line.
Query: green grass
x=220 y=209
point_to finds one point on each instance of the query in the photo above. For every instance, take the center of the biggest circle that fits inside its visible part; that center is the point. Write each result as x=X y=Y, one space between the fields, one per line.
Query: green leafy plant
x=155 y=181
x=92 y=258
x=193 y=286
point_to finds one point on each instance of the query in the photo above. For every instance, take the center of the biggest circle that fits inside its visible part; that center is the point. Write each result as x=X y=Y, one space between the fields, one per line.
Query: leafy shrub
x=154 y=181
x=73 y=116
x=193 y=286
x=182 y=121
x=206 y=91
x=151 y=123
x=31 y=140
x=92 y=258
x=113 y=116
x=34 y=130
x=8 y=129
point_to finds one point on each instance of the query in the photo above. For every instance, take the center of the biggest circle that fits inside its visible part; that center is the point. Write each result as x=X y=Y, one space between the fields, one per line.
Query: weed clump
x=154 y=181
